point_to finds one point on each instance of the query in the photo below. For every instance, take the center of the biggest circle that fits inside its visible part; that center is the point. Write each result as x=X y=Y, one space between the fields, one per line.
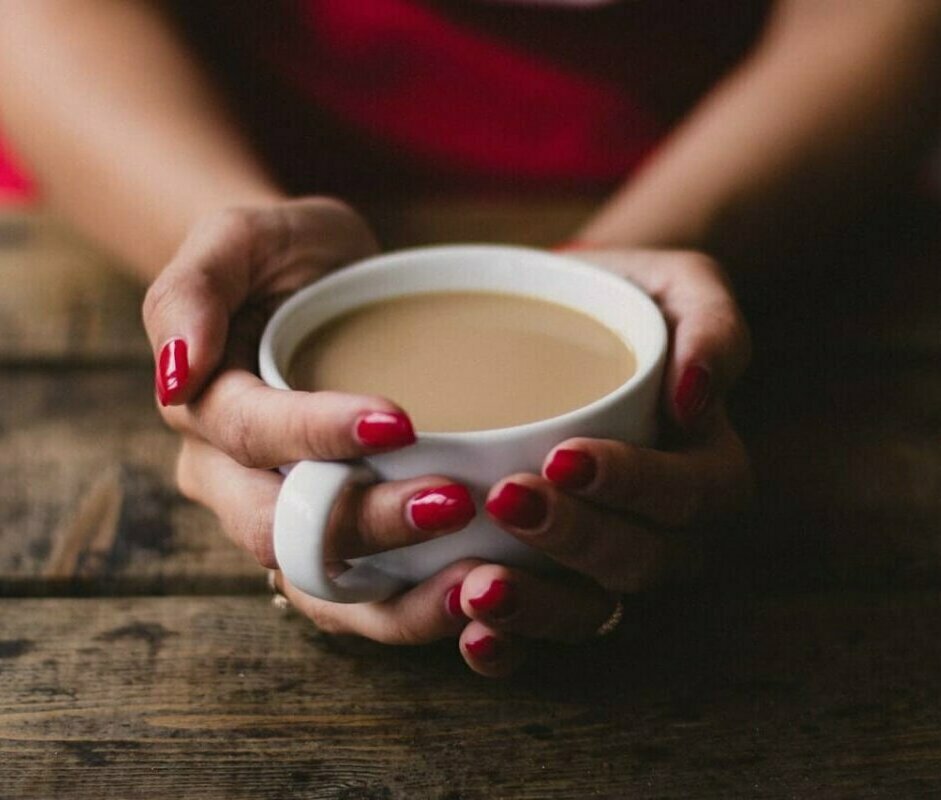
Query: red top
x=403 y=93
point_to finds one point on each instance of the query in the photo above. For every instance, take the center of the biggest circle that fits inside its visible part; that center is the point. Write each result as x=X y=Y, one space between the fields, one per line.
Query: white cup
x=478 y=459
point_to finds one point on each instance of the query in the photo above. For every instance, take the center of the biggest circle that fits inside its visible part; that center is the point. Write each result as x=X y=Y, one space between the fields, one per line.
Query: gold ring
x=612 y=621
x=278 y=600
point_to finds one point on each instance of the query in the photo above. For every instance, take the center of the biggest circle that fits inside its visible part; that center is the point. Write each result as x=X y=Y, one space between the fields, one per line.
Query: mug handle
x=302 y=512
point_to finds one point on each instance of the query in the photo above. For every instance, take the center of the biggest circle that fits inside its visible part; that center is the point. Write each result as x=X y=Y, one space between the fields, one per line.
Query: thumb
x=710 y=342
x=711 y=345
x=187 y=308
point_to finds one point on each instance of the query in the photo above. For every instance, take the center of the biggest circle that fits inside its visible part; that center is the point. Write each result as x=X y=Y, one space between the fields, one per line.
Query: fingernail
x=692 y=393
x=518 y=506
x=173 y=371
x=380 y=429
x=498 y=601
x=571 y=469
x=452 y=601
x=485 y=649
x=440 y=508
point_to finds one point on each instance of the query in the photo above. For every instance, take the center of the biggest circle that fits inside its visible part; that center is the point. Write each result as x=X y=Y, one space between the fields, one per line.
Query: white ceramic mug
x=478 y=459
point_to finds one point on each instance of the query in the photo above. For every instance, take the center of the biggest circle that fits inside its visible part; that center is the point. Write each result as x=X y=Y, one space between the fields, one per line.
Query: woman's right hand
x=204 y=316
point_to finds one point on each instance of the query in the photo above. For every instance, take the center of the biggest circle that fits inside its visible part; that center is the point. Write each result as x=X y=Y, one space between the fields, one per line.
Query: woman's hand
x=204 y=315
x=623 y=517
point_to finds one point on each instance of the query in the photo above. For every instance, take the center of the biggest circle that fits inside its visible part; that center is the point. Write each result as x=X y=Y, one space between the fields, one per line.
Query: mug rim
x=272 y=374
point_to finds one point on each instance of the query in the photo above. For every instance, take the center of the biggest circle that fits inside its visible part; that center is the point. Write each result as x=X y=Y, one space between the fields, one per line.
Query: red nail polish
x=571 y=469
x=485 y=649
x=518 y=506
x=452 y=601
x=441 y=508
x=692 y=393
x=173 y=371
x=498 y=601
x=381 y=429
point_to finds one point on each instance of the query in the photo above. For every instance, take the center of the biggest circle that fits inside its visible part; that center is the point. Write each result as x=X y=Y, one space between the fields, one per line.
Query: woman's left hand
x=624 y=518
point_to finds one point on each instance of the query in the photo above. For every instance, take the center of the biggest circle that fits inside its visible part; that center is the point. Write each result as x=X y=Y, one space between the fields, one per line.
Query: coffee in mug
x=466 y=361
x=465 y=303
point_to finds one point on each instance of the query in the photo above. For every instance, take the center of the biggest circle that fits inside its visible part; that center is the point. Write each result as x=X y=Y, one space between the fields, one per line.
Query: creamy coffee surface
x=466 y=361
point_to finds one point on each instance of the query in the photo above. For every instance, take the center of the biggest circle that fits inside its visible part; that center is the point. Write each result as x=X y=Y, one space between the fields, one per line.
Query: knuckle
x=721 y=336
x=564 y=542
x=731 y=331
x=620 y=471
x=158 y=297
x=234 y=224
x=372 y=520
x=334 y=206
x=240 y=442
x=696 y=261
x=404 y=632
x=721 y=319
x=321 y=440
x=258 y=539
x=336 y=220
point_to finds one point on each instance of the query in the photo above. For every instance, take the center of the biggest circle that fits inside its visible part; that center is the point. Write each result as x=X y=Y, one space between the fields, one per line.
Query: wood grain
x=87 y=500
x=714 y=697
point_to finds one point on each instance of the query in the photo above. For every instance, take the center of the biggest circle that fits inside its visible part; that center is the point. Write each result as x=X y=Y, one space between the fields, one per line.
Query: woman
x=126 y=132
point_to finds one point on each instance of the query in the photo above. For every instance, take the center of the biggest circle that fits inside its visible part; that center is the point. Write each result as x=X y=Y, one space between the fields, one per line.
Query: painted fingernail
x=441 y=508
x=173 y=371
x=498 y=601
x=484 y=649
x=452 y=601
x=518 y=506
x=692 y=393
x=381 y=429
x=571 y=469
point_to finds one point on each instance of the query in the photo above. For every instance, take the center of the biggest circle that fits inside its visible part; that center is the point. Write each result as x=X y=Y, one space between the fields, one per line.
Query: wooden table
x=140 y=655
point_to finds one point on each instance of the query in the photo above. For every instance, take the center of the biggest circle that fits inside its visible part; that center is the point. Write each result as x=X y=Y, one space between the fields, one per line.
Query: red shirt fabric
x=397 y=94
x=15 y=184
x=462 y=101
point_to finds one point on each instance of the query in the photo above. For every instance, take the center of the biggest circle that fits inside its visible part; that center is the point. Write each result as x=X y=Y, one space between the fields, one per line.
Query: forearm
x=126 y=135
x=839 y=96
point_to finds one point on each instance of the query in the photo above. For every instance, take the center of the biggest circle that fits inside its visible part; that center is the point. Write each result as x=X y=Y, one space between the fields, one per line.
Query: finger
x=512 y=601
x=232 y=255
x=420 y=615
x=707 y=479
x=609 y=547
x=243 y=499
x=711 y=344
x=187 y=308
x=392 y=514
x=489 y=652
x=366 y=520
x=263 y=427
